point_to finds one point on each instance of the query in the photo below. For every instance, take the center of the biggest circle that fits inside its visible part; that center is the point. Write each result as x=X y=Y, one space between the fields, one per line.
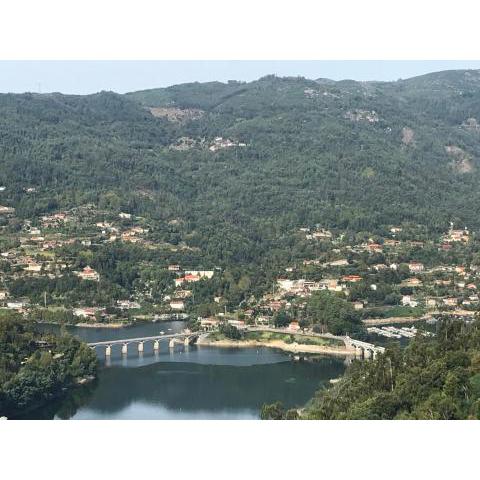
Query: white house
x=177 y=304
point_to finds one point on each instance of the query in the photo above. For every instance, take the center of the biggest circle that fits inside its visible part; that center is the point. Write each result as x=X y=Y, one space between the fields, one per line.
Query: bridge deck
x=138 y=339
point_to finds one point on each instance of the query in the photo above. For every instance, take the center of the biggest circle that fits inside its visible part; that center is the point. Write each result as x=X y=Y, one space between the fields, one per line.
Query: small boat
x=162 y=333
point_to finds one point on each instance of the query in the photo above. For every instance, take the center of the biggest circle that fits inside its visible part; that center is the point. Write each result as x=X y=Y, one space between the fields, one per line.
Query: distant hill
x=349 y=155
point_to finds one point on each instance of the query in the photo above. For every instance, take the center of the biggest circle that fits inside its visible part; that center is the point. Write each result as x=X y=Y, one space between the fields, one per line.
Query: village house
x=6 y=210
x=221 y=142
x=240 y=324
x=263 y=320
x=450 y=301
x=209 y=323
x=431 y=302
x=411 y=282
x=183 y=293
x=338 y=263
x=357 y=305
x=33 y=267
x=3 y=294
x=127 y=304
x=173 y=268
x=51 y=244
x=311 y=262
x=87 y=312
x=177 y=304
x=124 y=215
x=374 y=248
x=322 y=234
x=294 y=326
x=460 y=269
x=416 y=267
x=351 y=278
x=17 y=305
x=285 y=284
x=199 y=273
x=330 y=284
x=310 y=286
x=88 y=273
x=457 y=235
x=391 y=243
x=417 y=243
x=37 y=239
x=407 y=301
x=189 y=278
x=275 y=305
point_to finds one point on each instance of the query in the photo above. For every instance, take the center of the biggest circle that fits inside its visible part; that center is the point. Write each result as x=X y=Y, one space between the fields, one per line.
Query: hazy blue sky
x=125 y=76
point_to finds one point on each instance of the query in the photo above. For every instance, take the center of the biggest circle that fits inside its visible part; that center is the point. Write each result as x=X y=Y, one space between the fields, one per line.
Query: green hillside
x=351 y=155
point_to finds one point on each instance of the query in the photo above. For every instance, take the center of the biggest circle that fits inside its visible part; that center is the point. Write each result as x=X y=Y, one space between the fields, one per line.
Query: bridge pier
x=156 y=345
x=140 y=347
x=358 y=351
x=367 y=353
x=186 y=342
x=108 y=350
x=171 y=343
x=125 y=349
x=374 y=354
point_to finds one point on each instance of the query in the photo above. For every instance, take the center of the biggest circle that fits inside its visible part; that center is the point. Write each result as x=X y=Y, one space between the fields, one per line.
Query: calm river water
x=195 y=382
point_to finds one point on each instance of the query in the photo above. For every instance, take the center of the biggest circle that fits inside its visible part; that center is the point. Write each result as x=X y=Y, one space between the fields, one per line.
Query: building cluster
x=221 y=143
x=402 y=271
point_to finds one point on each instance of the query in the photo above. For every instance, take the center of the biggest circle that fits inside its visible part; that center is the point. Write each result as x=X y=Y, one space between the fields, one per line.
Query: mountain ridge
x=358 y=156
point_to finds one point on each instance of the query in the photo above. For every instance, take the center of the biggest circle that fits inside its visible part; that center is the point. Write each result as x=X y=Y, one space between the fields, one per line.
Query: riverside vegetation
x=434 y=379
x=35 y=368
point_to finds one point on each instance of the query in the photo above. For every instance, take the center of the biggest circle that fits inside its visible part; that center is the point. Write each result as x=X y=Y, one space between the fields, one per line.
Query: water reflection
x=180 y=389
x=189 y=382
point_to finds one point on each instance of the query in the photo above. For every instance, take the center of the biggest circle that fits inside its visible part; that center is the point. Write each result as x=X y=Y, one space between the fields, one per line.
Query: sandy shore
x=279 y=344
x=103 y=325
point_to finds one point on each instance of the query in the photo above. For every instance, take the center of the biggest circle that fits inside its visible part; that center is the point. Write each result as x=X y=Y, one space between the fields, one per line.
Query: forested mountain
x=356 y=156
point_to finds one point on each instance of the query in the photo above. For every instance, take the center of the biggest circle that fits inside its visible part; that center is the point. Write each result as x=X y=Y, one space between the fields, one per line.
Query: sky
x=83 y=77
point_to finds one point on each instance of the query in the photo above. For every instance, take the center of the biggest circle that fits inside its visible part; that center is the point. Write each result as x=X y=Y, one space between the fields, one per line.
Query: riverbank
x=277 y=344
x=103 y=325
x=370 y=322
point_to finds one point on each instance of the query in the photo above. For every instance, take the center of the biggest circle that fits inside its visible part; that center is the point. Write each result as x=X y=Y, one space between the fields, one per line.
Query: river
x=195 y=382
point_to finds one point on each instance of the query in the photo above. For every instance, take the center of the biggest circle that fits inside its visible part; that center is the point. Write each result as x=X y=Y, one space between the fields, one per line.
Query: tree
x=333 y=312
x=230 y=331
x=273 y=411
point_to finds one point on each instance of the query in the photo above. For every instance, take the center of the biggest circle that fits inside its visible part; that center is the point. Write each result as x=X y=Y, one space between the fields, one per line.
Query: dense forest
x=357 y=156
x=35 y=368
